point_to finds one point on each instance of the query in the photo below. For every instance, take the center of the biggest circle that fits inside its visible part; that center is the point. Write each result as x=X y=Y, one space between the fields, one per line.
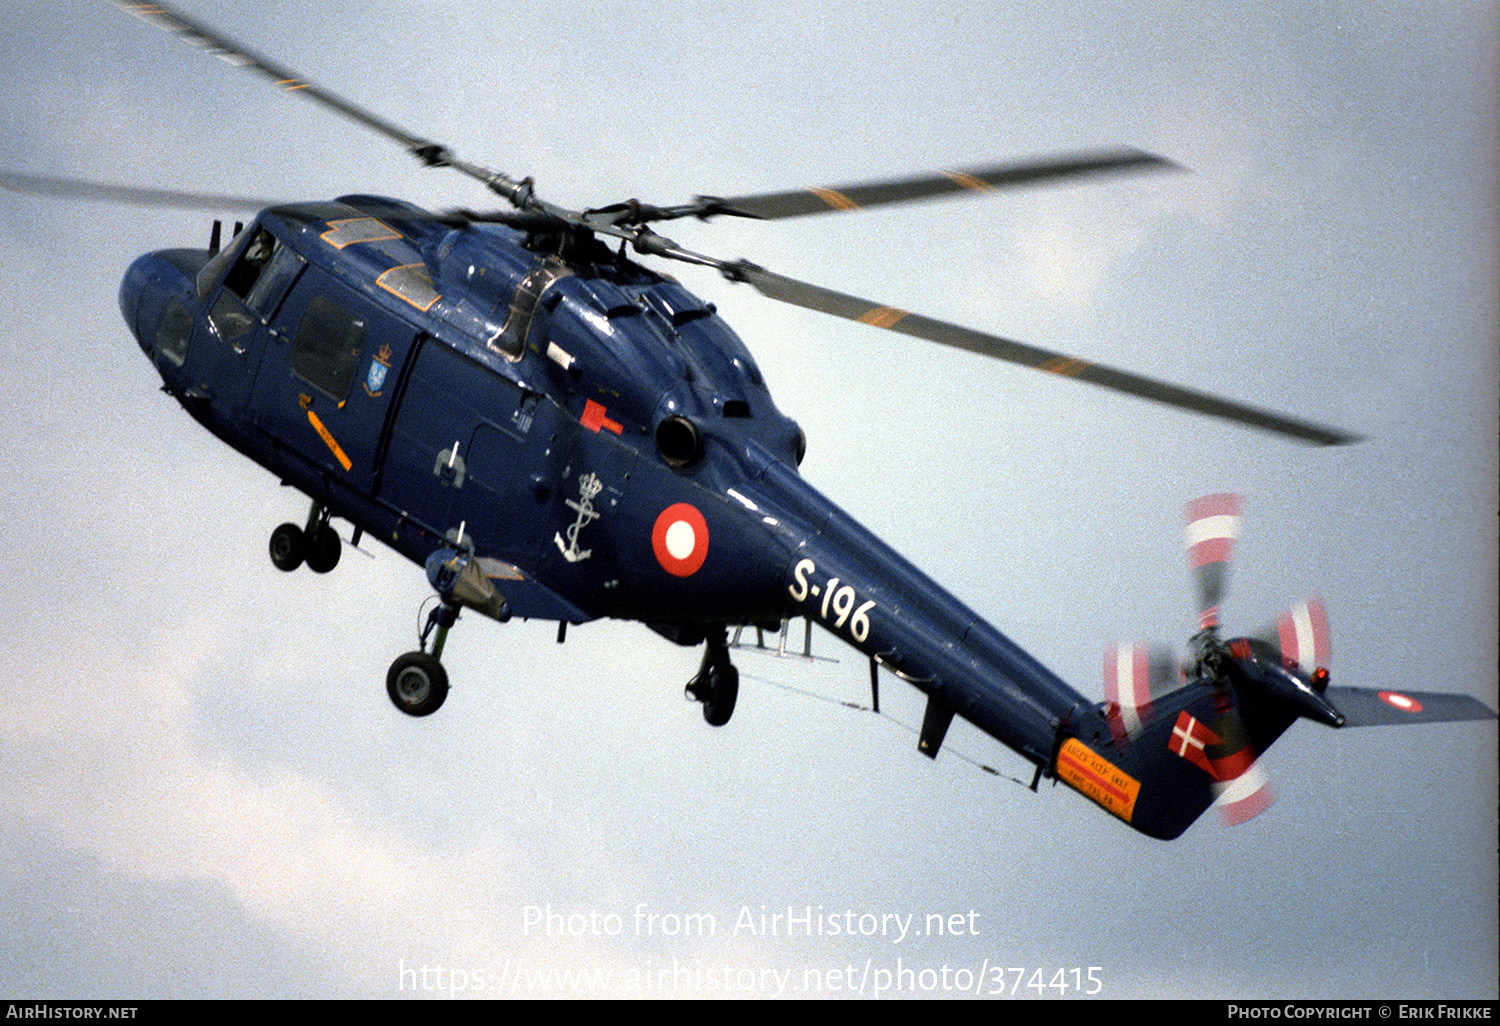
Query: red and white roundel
x=680 y=540
x=1403 y=702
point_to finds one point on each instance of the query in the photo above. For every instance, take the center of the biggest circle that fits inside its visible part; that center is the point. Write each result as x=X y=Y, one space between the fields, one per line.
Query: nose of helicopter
x=151 y=282
x=131 y=290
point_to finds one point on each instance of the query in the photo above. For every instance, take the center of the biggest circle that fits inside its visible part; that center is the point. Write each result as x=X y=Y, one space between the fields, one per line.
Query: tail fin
x=1162 y=779
x=1158 y=760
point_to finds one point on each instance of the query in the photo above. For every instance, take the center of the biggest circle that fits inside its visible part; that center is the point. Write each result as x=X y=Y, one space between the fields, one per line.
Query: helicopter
x=554 y=431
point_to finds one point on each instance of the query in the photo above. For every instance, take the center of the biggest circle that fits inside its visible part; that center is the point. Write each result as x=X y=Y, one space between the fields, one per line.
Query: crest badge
x=380 y=364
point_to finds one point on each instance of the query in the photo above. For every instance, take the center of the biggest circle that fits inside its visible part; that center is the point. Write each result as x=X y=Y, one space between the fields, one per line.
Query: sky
x=204 y=790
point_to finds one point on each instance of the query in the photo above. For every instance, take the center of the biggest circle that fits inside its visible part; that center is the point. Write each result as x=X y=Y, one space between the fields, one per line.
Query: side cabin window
x=326 y=351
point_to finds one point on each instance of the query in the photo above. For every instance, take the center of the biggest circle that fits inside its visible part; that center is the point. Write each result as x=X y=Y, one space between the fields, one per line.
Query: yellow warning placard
x=329 y=440
x=1097 y=779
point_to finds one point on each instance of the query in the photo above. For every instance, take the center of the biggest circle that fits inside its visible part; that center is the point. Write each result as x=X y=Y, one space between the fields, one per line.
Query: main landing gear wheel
x=317 y=544
x=723 y=690
x=417 y=683
x=717 y=684
x=289 y=547
x=323 y=549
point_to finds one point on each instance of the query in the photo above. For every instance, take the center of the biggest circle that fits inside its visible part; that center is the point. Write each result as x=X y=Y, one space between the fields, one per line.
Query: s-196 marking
x=839 y=602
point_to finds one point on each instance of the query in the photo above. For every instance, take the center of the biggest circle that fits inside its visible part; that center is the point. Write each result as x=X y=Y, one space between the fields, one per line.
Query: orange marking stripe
x=1064 y=365
x=835 y=199
x=970 y=182
x=882 y=316
x=330 y=441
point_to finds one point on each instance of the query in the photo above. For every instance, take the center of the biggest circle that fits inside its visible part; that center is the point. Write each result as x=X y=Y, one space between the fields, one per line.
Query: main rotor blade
x=433 y=154
x=78 y=188
x=772 y=206
x=853 y=308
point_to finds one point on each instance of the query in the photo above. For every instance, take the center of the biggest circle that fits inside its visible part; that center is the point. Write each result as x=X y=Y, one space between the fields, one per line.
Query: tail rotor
x=1211 y=527
x=1210 y=733
x=1181 y=737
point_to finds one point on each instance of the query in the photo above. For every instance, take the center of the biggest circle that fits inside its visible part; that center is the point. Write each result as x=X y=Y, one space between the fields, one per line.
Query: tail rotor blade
x=1242 y=789
x=1135 y=677
x=1212 y=526
x=1245 y=797
x=1302 y=635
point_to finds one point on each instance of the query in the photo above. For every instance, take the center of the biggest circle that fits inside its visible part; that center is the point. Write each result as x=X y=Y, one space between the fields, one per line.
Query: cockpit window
x=213 y=271
x=274 y=282
x=231 y=320
x=172 y=334
x=255 y=284
x=246 y=270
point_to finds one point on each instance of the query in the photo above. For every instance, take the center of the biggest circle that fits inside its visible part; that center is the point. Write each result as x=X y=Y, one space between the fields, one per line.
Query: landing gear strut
x=317 y=544
x=717 y=684
x=416 y=681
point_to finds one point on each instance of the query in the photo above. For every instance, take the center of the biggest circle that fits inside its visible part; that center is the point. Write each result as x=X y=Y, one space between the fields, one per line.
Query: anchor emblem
x=589 y=486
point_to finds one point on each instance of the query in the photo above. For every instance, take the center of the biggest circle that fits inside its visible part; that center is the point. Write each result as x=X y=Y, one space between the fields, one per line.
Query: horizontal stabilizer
x=1368 y=708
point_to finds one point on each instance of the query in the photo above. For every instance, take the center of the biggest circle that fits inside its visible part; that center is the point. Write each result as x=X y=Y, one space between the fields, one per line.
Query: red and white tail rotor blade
x=1242 y=789
x=1302 y=635
x=1244 y=797
x=1135 y=677
x=1212 y=525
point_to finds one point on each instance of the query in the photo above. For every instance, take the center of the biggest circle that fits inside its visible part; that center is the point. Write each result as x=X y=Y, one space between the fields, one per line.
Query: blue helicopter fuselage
x=587 y=424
